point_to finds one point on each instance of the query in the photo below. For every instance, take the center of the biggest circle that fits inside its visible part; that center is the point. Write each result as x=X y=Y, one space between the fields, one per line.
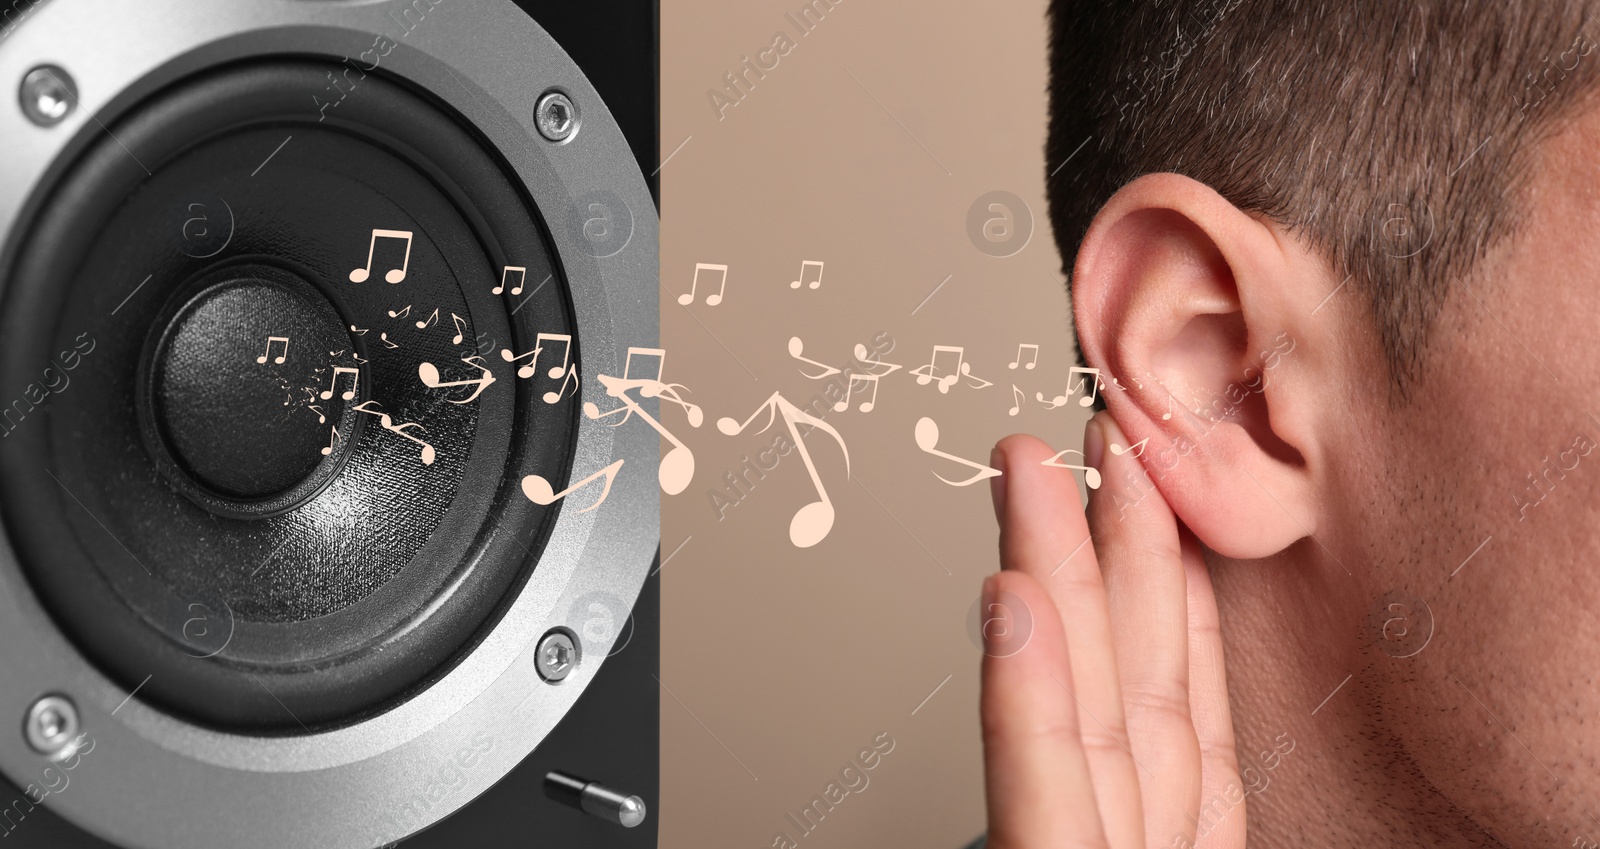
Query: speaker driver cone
x=267 y=417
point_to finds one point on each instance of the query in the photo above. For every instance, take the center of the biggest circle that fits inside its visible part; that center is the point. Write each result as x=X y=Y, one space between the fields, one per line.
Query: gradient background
x=864 y=148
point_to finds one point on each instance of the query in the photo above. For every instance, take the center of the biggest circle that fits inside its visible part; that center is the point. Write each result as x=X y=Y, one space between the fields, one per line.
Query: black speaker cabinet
x=317 y=525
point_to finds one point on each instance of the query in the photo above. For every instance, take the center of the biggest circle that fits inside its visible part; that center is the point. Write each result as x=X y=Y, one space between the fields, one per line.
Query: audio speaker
x=304 y=540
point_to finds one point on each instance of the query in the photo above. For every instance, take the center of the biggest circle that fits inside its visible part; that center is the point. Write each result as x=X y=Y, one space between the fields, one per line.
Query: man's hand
x=1106 y=723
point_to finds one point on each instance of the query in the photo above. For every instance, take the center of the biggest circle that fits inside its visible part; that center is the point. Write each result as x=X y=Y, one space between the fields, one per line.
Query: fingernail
x=1094 y=440
x=997 y=484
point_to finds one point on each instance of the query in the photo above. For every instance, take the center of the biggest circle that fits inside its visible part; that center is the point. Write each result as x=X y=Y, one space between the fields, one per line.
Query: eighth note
x=522 y=278
x=1133 y=450
x=461 y=329
x=428 y=453
x=807 y=265
x=797 y=349
x=429 y=373
x=711 y=300
x=867 y=405
x=539 y=491
x=927 y=433
x=333 y=440
x=1018 y=397
x=1030 y=364
x=812 y=522
x=393 y=275
x=1091 y=475
x=555 y=395
x=1072 y=388
x=531 y=368
x=423 y=325
x=355 y=380
x=281 y=357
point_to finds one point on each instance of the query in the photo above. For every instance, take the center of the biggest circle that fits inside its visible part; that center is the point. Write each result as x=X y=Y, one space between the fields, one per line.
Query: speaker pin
x=595 y=799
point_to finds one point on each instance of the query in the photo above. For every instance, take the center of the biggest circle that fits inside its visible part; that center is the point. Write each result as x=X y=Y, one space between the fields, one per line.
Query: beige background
x=864 y=148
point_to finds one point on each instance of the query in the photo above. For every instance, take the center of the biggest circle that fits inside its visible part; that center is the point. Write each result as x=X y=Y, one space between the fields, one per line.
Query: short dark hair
x=1338 y=119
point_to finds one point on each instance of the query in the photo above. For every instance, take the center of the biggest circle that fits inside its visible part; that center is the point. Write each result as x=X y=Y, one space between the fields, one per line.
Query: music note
x=528 y=370
x=1133 y=450
x=660 y=356
x=1031 y=363
x=333 y=439
x=321 y=419
x=677 y=465
x=927 y=433
x=400 y=313
x=797 y=347
x=393 y=275
x=1018 y=398
x=1168 y=414
x=867 y=405
x=423 y=325
x=522 y=278
x=1073 y=388
x=928 y=373
x=557 y=394
x=669 y=392
x=654 y=386
x=281 y=357
x=432 y=379
x=807 y=265
x=812 y=522
x=359 y=331
x=355 y=380
x=1091 y=476
x=566 y=351
x=539 y=491
x=384 y=338
x=865 y=357
x=966 y=372
x=428 y=453
x=461 y=329
x=711 y=300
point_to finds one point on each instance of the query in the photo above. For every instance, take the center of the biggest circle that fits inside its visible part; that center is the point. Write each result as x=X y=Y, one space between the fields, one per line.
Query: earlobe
x=1197 y=308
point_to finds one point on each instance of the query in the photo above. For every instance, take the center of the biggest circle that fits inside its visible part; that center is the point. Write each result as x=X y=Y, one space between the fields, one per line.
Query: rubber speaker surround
x=321 y=607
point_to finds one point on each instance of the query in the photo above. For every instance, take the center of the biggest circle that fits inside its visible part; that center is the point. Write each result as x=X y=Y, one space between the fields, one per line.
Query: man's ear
x=1205 y=316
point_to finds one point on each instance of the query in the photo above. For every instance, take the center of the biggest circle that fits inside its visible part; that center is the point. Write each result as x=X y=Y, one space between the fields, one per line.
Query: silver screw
x=557 y=656
x=48 y=95
x=51 y=725
x=556 y=116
